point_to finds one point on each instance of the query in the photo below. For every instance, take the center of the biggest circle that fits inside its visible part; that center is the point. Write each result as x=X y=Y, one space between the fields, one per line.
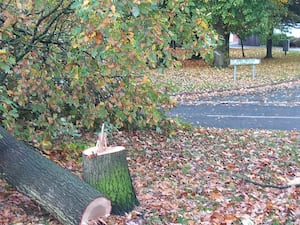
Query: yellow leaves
x=86 y=3
x=146 y=79
x=76 y=76
x=284 y=1
x=25 y=5
x=107 y=47
x=75 y=44
x=202 y=23
x=3 y=54
x=88 y=37
x=113 y=9
x=173 y=101
x=130 y=35
x=46 y=144
x=9 y=19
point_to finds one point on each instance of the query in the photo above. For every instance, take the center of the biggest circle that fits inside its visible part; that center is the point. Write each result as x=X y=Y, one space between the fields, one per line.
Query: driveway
x=277 y=109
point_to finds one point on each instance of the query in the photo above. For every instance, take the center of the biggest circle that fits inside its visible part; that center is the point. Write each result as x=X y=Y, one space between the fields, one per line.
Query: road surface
x=277 y=109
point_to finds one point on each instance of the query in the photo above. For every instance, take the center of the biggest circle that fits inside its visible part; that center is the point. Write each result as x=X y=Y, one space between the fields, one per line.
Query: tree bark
x=62 y=194
x=108 y=172
x=243 y=52
x=269 y=48
x=269 y=44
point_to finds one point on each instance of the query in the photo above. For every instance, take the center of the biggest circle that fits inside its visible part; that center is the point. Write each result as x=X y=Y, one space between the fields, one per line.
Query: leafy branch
x=46 y=31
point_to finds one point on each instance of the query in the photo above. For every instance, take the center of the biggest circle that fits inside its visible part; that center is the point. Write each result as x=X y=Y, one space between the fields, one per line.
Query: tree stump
x=108 y=172
x=68 y=198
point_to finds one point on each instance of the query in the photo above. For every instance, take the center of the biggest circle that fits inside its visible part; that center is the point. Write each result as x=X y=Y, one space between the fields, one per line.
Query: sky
x=295 y=32
x=292 y=31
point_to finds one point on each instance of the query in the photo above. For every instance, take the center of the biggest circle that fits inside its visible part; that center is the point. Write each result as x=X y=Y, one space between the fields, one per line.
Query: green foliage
x=8 y=109
x=277 y=40
x=71 y=66
x=145 y=112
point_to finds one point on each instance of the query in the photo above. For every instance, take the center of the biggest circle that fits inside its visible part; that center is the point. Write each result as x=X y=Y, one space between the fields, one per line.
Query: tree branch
x=247 y=179
x=39 y=37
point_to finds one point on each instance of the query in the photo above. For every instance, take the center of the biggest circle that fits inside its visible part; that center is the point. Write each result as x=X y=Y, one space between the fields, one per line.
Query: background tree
x=238 y=16
x=244 y=17
x=275 y=10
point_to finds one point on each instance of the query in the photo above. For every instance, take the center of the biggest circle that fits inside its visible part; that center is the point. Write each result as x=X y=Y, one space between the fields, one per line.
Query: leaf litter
x=189 y=178
x=197 y=79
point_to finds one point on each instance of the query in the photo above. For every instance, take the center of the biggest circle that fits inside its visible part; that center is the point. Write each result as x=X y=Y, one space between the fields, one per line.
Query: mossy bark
x=108 y=172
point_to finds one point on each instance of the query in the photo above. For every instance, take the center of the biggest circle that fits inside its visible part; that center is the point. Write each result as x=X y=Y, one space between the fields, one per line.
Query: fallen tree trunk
x=62 y=194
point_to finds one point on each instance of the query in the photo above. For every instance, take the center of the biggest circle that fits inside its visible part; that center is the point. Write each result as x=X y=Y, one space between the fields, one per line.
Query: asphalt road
x=278 y=109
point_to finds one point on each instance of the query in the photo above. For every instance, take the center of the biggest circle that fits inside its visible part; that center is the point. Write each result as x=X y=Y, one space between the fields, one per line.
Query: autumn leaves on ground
x=201 y=175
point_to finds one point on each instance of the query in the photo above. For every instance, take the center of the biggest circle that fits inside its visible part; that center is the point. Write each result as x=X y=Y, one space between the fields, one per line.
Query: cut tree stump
x=106 y=169
x=68 y=198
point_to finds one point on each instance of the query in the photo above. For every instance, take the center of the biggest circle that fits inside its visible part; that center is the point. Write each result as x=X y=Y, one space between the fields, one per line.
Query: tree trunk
x=62 y=194
x=269 y=48
x=243 y=52
x=108 y=172
x=269 y=44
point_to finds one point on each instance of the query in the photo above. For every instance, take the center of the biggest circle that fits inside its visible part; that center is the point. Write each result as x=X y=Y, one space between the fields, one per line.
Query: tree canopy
x=244 y=17
x=293 y=15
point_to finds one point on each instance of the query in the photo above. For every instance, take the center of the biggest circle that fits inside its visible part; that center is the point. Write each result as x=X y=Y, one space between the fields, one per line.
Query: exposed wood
x=102 y=141
x=108 y=172
x=61 y=193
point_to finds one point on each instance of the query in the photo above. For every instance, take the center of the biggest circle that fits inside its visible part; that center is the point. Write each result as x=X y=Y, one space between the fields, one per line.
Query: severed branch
x=283 y=186
x=102 y=141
